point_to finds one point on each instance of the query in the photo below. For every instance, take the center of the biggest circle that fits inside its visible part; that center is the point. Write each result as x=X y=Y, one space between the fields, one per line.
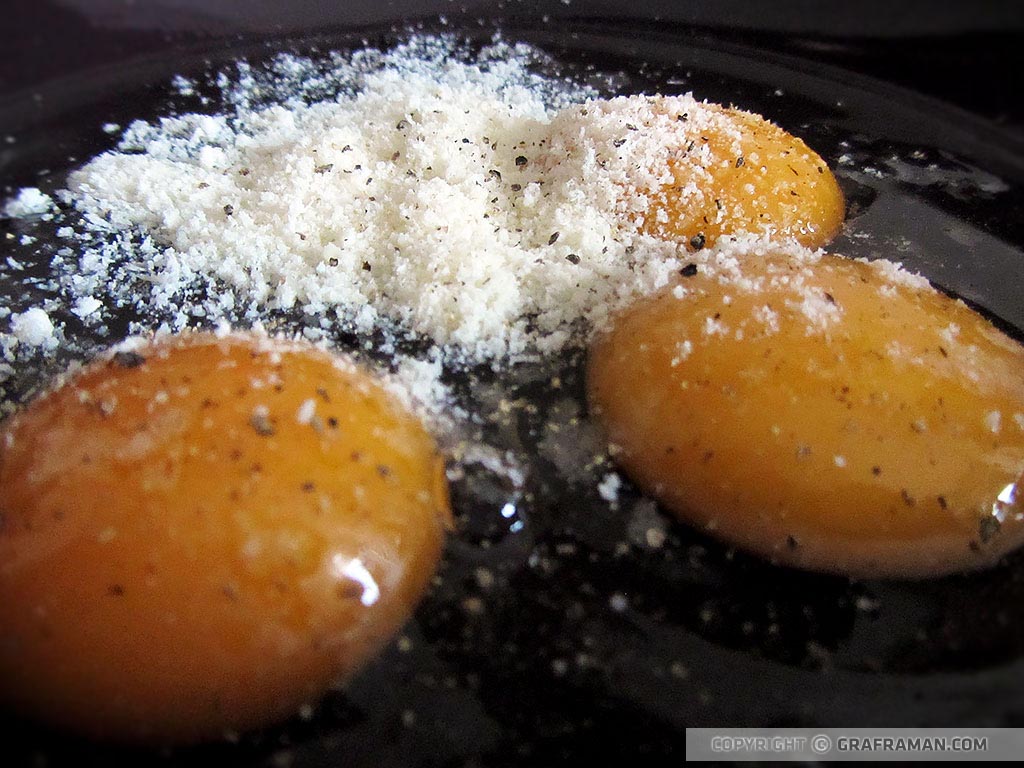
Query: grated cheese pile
x=466 y=198
x=464 y=201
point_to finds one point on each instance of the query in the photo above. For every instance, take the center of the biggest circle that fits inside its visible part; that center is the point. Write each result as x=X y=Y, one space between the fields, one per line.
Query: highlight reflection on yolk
x=205 y=535
x=828 y=416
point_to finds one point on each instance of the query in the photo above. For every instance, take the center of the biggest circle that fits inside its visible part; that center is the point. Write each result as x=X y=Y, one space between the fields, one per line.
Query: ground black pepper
x=129 y=359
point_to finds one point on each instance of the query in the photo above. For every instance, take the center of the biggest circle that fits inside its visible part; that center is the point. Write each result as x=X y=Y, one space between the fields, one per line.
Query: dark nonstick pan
x=591 y=642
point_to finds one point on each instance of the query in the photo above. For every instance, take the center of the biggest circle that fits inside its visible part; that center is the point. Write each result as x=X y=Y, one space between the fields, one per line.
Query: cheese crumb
x=306 y=411
x=30 y=201
x=33 y=328
x=994 y=421
x=609 y=487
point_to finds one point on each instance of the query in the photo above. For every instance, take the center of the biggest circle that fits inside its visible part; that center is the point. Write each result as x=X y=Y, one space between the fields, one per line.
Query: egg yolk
x=828 y=414
x=753 y=177
x=204 y=534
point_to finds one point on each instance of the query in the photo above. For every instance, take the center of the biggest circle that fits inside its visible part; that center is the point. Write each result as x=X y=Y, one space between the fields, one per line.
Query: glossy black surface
x=969 y=54
x=549 y=662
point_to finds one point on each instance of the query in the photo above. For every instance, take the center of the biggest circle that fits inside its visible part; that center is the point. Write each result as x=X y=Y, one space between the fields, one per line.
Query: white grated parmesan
x=306 y=412
x=608 y=488
x=33 y=328
x=994 y=422
x=29 y=201
x=470 y=203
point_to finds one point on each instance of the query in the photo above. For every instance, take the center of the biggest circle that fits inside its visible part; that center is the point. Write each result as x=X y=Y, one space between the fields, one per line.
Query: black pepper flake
x=907 y=498
x=129 y=359
x=740 y=161
x=792 y=542
x=332 y=422
x=573 y=258
x=876 y=471
x=244 y=172
x=228 y=210
x=942 y=502
x=366 y=266
x=988 y=528
x=521 y=161
x=830 y=298
x=325 y=168
x=496 y=174
x=401 y=125
x=618 y=142
x=115 y=590
x=697 y=241
x=553 y=239
x=683 y=117
x=308 y=486
x=943 y=352
x=383 y=470
x=689 y=270
x=261 y=423
x=516 y=187
x=203 y=185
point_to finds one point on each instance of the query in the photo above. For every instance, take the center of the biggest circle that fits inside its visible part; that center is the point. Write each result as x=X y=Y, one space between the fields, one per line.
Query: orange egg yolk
x=754 y=177
x=832 y=415
x=204 y=534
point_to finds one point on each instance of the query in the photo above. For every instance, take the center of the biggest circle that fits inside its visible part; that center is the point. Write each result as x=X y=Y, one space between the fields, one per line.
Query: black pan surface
x=591 y=643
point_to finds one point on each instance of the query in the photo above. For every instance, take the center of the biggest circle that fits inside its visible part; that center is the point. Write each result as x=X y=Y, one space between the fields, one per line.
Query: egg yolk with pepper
x=203 y=534
x=753 y=177
x=826 y=413
x=693 y=172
